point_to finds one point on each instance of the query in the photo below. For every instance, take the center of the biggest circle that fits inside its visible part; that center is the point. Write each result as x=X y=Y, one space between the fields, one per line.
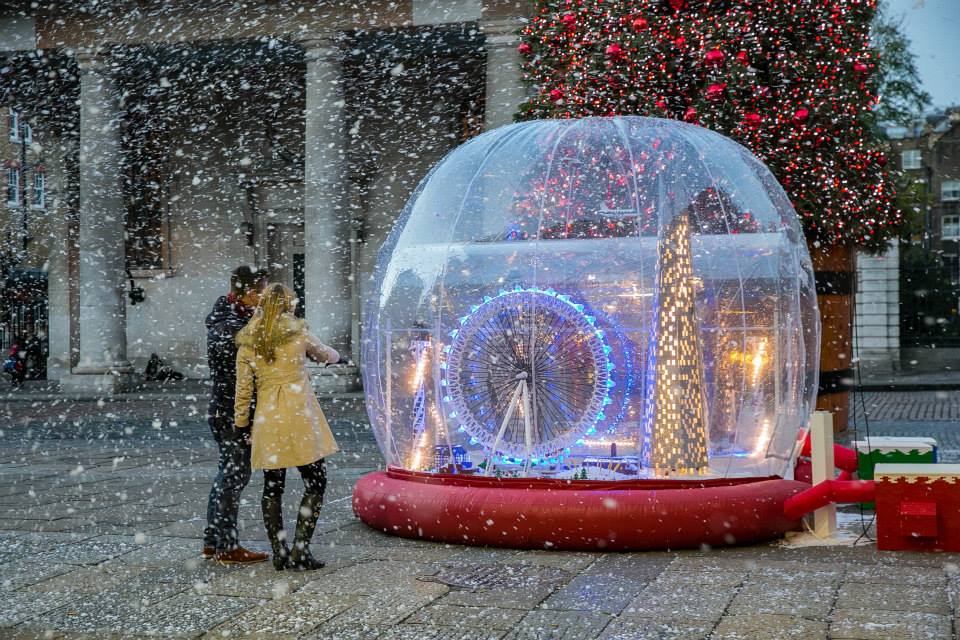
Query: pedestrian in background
x=289 y=428
x=230 y=314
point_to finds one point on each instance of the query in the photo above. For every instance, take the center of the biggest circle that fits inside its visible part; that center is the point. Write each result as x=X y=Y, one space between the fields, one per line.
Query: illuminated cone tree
x=675 y=418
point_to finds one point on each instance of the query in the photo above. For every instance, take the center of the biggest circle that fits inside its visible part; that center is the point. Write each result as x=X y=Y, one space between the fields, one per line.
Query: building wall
x=877 y=321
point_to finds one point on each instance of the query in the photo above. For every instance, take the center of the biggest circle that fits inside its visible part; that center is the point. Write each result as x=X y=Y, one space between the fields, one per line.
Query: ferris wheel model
x=527 y=375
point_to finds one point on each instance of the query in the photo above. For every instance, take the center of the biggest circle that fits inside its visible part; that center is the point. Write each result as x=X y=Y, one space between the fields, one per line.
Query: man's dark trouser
x=232 y=476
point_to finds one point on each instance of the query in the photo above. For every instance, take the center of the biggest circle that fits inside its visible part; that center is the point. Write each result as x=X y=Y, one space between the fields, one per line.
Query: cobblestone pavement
x=102 y=505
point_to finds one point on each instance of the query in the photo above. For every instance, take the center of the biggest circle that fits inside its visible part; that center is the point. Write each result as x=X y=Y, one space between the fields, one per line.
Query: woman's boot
x=273 y=521
x=300 y=557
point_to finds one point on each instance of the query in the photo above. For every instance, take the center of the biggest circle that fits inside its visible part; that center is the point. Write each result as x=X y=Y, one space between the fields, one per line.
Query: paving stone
x=375 y=610
x=713 y=562
x=775 y=597
x=162 y=551
x=607 y=593
x=500 y=598
x=693 y=603
x=441 y=614
x=571 y=561
x=892 y=597
x=800 y=572
x=20 y=606
x=929 y=577
x=189 y=613
x=89 y=552
x=94 y=613
x=498 y=576
x=257 y=581
x=768 y=627
x=291 y=615
x=431 y=632
x=367 y=578
x=345 y=631
x=717 y=578
x=637 y=628
x=88 y=580
x=559 y=625
x=863 y=624
x=25 y=571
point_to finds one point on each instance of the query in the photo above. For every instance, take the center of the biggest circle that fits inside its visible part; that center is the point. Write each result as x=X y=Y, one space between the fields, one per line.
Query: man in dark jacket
x=230 y=314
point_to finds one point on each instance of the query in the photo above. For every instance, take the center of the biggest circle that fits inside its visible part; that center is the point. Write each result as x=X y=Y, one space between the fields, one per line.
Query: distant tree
x=901 y=98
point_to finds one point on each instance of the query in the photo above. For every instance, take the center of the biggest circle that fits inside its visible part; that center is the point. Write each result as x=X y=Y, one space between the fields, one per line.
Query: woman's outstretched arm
x=319 y=352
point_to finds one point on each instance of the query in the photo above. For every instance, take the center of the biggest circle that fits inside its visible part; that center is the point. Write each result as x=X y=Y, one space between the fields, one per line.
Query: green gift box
x=892 y=450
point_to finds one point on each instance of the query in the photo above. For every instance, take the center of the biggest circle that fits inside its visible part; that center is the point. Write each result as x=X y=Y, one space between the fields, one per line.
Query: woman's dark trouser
x=232 y=476
x=314 y=480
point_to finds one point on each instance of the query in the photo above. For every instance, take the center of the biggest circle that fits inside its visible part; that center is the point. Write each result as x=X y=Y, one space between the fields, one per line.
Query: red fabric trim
x=557 y=484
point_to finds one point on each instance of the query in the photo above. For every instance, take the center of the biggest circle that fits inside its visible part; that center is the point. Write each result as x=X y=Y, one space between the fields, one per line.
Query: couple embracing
x=264 y=415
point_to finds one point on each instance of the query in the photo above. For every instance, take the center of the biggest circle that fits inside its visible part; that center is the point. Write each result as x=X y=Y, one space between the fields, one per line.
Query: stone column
x=59 y=283
x=103 y=365
x=325 y=217
x=505 y=90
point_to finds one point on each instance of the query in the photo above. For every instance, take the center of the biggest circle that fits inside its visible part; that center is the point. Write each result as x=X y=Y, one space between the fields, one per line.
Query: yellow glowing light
x=418 y=372
x=763 y=438
x=759 y=360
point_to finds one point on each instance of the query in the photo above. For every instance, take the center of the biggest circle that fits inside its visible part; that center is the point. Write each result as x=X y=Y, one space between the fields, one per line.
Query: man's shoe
x=241 y=556
x=208 y=552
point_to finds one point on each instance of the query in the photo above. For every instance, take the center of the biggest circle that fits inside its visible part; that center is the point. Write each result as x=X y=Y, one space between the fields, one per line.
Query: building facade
x=188 y=138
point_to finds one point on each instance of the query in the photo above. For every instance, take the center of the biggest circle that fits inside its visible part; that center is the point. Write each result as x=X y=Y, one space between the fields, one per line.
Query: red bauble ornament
x=556 y=94
x=717 y=91
x=751 y=119
x=615 y=51
x=661 y=104
x=859 y=67
x=677 y=5
x=742 y=57
x=524 y=48
x=569 y=20
x=882 y=160
x=715 y=57
x=679 y=42
x=800 y=115
x=690 y=115
x=639 y=24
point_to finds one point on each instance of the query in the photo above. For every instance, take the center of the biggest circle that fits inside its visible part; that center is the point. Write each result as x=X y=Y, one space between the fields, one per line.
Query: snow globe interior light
x=598 y=299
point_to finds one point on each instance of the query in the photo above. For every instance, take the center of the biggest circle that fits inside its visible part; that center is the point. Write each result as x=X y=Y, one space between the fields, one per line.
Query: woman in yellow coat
x=289 y=428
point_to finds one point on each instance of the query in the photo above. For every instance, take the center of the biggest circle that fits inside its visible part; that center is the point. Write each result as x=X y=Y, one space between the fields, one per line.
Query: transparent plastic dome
x=604 y=298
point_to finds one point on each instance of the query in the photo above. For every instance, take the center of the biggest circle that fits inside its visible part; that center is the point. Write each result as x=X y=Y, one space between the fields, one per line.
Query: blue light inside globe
x=603 y=298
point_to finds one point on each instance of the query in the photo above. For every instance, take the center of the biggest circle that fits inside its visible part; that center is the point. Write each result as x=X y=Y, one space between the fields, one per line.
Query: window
x=950 y=228
x=950 y=190
x=39 y=189
x=13 y=120
x=13 y=186
x=910 y=159
x=27 y=134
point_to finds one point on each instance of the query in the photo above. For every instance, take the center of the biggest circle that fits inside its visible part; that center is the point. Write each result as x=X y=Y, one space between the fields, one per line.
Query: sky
x=933 y=27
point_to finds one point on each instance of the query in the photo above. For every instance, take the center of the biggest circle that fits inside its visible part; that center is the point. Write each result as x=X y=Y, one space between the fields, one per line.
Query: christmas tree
x=792 y=80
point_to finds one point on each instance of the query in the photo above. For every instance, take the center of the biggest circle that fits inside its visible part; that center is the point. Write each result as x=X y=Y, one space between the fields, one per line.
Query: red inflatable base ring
x=525 y=513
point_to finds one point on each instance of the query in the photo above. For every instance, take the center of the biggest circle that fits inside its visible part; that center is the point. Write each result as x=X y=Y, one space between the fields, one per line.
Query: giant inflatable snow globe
x=594 y=333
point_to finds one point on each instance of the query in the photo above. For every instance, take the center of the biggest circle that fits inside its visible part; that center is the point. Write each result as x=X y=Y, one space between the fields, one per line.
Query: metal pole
x=25 y=236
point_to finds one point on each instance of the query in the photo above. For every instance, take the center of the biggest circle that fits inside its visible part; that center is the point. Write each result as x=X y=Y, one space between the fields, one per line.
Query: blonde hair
x=268 y=331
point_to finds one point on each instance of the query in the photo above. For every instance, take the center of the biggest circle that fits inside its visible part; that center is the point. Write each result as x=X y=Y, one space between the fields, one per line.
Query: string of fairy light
x=791 y=80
